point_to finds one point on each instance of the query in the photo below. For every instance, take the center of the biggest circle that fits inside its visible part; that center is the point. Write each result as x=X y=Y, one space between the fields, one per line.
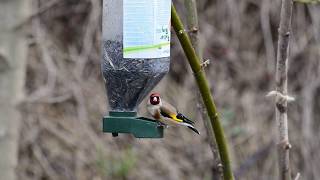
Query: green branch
x=203 y=86
x=308 y=1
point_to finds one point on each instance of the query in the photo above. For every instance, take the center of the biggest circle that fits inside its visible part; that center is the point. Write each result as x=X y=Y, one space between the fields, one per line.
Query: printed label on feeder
x=146 y=28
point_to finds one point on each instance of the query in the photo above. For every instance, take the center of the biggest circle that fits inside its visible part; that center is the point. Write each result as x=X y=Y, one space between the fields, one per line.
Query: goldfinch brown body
x=167 y=114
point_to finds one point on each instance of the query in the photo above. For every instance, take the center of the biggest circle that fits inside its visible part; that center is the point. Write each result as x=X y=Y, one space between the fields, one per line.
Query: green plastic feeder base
x=128 y=122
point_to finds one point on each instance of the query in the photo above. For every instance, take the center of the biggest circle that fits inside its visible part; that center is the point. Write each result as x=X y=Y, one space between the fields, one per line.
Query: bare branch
x=281 y=83
x=193 y=29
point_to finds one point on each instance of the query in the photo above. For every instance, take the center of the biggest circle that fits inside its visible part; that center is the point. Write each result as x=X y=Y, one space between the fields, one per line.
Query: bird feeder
x=136 y=56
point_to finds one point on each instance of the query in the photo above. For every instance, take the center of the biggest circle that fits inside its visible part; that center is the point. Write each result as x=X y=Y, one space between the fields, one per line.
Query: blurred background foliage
x=65 y=98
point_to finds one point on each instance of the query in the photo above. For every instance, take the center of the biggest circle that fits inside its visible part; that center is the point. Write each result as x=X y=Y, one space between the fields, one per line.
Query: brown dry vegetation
x=65 y=99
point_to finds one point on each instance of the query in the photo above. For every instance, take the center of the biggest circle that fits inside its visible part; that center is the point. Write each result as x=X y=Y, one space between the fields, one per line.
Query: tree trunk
x=12 y=73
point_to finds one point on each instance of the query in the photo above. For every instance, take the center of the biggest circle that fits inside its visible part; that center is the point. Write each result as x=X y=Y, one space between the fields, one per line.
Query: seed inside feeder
x=128 y=81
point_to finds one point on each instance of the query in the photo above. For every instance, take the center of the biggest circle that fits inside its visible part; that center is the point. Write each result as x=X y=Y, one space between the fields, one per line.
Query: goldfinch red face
x=155 y=99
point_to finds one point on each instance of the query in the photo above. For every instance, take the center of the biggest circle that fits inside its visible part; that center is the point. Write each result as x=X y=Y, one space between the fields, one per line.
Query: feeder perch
x=135 y=57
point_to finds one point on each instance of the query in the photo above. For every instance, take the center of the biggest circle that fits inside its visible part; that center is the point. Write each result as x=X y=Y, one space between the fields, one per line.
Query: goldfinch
x=166 y=114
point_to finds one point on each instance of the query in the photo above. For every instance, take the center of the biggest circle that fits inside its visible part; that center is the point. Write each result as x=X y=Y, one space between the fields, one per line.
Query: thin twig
x=281 y=83
x=47 y=6
x=193 y=27
x=44 y=162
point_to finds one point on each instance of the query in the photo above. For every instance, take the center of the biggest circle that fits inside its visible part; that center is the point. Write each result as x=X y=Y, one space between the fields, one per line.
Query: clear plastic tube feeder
x=136 y=56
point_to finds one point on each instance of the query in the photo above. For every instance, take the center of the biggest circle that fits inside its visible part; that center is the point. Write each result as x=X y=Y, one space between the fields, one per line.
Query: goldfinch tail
x=193 y=129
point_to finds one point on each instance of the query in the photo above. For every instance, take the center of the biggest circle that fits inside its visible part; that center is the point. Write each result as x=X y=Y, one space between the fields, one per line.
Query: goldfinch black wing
x=184 y=118
x=168 y=111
